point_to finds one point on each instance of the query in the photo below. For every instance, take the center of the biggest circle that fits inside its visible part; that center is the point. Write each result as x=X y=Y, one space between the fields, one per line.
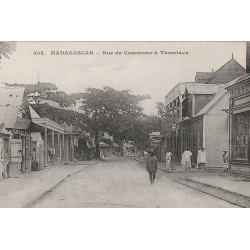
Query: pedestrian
x=201 y=158
x=186 y=159
x=152 y=166
x=225 y=157
x=146 y=159
x=168 y=158
x=145 y=155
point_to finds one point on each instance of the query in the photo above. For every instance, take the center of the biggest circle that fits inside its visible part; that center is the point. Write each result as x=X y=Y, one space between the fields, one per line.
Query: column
x=72 y=147
x=193 y=105
x=181 y=100
x=46 y=145
x=53 y=146
x=230 y=127
x=181 y=132
x=63 y=147
x=59 y=146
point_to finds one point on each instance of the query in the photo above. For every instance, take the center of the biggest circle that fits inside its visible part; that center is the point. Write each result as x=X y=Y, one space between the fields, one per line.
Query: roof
x=179 y=89
x=228 y=72
x=224 y=74
x=11 y=100
x=54 y=104
x=204 y=77
x=202 y=89
x=222 y=92
x=33 y=113
x=243 y=77
x=52 y=125
x=8 y=115
x=22 y=123
x=10 y=96
x=3 y=131
x=240 y=79
x=191 y=88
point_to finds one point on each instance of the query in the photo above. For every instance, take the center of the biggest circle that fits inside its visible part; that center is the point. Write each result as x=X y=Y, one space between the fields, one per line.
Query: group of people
x=186 y=161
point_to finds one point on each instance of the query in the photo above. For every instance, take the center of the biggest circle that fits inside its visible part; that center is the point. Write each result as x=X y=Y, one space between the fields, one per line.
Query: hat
x=225 y=150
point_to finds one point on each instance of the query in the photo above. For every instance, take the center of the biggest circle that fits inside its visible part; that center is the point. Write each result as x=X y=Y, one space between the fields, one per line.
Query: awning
x=49 y=124
x=3 y=130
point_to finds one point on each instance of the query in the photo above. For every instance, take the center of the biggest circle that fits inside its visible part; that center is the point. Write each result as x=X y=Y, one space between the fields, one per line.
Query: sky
x=152 y=74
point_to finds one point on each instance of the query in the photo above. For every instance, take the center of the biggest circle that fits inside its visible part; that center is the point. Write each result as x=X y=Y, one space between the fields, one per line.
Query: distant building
x=156 y=139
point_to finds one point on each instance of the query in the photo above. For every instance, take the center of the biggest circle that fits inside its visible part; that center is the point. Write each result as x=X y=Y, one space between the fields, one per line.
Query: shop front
x=4 y=152
x=55 y=148
x=239 y=111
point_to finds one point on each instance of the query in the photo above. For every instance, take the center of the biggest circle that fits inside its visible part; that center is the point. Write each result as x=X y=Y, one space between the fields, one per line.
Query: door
x=27 y=153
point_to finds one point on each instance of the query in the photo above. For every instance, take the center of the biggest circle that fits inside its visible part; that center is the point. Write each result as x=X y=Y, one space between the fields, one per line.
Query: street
x=124 y=183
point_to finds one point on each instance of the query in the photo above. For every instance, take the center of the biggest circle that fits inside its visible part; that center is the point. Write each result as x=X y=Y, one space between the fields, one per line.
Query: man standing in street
x=168 y=159
x=186 y=159
x=152 y=166
x=201 y=158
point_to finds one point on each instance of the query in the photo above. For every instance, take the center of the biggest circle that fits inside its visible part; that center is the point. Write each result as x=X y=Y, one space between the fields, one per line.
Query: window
x=241 y=136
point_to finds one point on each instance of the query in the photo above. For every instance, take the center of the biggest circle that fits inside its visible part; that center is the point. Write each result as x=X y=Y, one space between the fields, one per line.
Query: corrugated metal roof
x=10 y=96
x=11 y=99
x=8 y=115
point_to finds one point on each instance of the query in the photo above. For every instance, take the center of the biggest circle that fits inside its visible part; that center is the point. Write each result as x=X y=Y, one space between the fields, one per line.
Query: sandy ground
x=122 y=182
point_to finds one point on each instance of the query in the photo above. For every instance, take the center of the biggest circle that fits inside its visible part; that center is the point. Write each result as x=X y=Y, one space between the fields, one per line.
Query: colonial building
x=5 y=152
x=239 y=113
x=191 y=109
x=183 y=103
x=14 y=117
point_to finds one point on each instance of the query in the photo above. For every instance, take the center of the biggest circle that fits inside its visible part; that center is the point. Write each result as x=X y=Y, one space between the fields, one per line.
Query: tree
x=141 y=129
x=161 y=109
x=111 y=110
x=6 y=48
x=62 y=98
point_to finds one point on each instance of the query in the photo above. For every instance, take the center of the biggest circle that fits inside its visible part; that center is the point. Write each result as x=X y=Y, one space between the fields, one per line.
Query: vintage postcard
x=124 y=124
